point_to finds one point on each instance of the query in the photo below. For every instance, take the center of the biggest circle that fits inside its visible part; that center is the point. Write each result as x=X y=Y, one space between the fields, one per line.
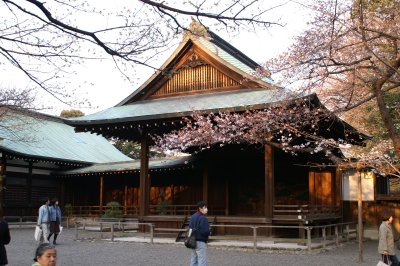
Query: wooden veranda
x=237 y=185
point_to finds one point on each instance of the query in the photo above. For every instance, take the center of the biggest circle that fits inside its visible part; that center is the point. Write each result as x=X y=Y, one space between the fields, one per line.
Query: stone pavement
x=100 y=252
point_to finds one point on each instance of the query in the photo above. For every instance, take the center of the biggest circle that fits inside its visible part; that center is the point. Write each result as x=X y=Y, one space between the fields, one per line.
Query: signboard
x=350 y=186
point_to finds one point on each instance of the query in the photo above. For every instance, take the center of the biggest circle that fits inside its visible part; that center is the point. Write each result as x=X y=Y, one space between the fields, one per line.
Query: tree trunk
x=386 y=117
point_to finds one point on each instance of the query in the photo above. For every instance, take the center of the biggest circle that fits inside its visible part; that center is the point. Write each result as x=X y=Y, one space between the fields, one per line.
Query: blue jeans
x=199 y=255
x=393 y=259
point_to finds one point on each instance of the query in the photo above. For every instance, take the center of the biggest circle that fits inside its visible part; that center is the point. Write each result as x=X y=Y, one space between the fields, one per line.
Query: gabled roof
x=35 y=135
x=219 y=53
x=212 y=50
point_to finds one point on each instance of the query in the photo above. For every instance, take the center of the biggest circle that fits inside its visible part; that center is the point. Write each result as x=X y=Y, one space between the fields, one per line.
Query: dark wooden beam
x=311 y=187
x=226 y=196
x=125 y=196
x=144 y=176
x=269 y=180
x=101 y=195
x=29 y=187
x=62 y=192
x=338 y=191
x=205 y=183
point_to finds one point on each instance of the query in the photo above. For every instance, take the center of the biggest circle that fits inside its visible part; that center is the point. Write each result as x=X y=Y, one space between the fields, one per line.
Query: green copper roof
x=185 y=105
x=226 y=56
x=133 y=165
x=36 y=135
x=218 y=50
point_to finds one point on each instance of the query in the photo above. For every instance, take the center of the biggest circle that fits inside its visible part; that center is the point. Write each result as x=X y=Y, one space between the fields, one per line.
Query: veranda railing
x=133 y=211
x=342 y=232
x=305 y=212
x=291 y=212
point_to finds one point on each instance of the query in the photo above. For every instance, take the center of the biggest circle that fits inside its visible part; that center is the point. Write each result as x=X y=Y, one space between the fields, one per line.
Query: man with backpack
x=199 y=226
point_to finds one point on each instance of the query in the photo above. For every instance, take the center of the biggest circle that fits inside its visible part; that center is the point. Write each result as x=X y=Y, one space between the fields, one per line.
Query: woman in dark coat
x=55 y=220
x=5 y=238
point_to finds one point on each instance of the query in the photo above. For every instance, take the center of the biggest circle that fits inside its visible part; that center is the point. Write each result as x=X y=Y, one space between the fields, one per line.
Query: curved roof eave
x=132 y=165
x=271 y=97
x=42 y=158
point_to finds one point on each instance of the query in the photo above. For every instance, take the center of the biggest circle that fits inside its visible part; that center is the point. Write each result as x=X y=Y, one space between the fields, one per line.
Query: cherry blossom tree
x=378 y=151
x=350 y=56
x=294 y=126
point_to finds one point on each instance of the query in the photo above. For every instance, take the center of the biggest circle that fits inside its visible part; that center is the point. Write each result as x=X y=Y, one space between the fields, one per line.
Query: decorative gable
x=202 y=63
x=193 y=76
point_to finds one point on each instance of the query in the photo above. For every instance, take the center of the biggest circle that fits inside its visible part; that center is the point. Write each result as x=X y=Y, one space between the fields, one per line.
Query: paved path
x=75 y=253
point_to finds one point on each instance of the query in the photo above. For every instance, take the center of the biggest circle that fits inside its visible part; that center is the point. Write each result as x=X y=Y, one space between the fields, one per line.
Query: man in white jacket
x=44 y=220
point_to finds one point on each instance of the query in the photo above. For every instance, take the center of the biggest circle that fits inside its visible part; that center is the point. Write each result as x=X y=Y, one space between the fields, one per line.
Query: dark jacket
x=55 y=213
x=199 y=221
x=5 y=238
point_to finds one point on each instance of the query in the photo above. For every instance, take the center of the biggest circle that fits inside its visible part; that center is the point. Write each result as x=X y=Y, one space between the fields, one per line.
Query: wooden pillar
x=226 y=196
x=125 y=197
x=338 y=192
x=376 y=209
x=101 y=196
x=144 y=176
x=205 y=183
x=29 y=187
x=311 y=187
x=269 y=180
x=62 y=192
x=172 y=194
x=2 y=182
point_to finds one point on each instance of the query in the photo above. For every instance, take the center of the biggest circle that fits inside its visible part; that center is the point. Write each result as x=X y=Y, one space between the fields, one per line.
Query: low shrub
x=113 y=210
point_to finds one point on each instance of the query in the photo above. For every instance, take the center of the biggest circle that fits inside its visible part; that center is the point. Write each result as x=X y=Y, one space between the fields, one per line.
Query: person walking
x=55 y=220
x=386 y=240
x=44 y=220
x=5 y=239
x=199 y=222
x=45 y=255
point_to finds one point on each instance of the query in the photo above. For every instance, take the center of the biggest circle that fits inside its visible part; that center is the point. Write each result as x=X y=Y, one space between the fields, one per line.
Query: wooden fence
x=342 y=232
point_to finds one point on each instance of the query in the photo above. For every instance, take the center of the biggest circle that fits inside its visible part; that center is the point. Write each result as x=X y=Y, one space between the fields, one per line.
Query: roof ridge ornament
x=193 y=61
x=197 y=29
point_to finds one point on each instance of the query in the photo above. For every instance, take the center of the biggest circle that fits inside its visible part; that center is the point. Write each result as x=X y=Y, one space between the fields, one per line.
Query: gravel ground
x=97 y=252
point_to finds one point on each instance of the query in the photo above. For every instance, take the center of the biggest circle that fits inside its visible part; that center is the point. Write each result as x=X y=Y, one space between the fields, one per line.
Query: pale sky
x=104 y=86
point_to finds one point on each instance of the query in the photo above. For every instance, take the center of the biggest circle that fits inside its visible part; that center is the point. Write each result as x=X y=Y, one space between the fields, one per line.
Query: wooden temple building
x=242 y=184
x=252 y=184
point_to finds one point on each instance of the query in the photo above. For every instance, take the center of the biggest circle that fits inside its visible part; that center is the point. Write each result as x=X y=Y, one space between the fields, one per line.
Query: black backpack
x=190 y=241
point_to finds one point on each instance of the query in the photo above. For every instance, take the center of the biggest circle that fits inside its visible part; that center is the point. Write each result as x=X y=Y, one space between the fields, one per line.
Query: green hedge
x=113 y=210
